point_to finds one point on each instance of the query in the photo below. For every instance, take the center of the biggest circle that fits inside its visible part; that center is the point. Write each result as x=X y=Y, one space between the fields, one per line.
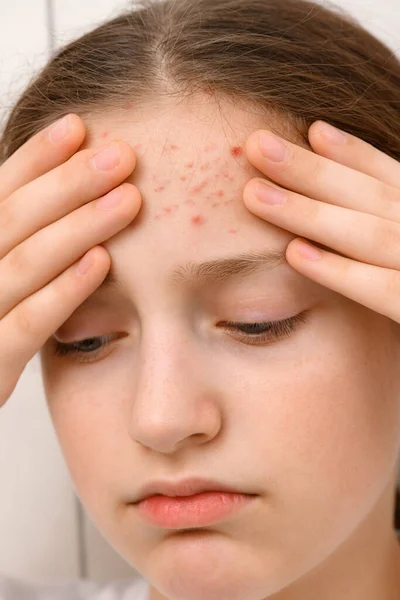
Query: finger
x=355 y=234
x=29 y=326
x=353 y=152
x=325 y=180
x=375 y=287
x=39 y=155
x=61 y=243
x=59 y=192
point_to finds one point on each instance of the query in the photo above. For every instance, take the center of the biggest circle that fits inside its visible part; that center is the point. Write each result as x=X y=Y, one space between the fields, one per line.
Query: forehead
x=191 y=169
x=189 y=157
x=166 y=133
x=189 y=138
x=189 y=152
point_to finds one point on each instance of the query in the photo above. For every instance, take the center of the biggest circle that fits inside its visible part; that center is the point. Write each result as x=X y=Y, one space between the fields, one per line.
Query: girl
x=227 y=401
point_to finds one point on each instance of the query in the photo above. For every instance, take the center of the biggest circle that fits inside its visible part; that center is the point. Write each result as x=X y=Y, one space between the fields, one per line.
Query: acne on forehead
x=209 y=187
x=206 y=188
x=237 y=151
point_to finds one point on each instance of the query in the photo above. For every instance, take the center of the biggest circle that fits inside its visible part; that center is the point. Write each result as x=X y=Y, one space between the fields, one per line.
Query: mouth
x=186 y=487
x=194 y=511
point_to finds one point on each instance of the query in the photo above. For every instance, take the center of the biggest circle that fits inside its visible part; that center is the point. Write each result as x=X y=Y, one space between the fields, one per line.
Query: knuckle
x=387 y=235
x=25 y=319
x=308 y=210
x=388 y=197
x=316 y=170
x=8 y=214
x=18 y=262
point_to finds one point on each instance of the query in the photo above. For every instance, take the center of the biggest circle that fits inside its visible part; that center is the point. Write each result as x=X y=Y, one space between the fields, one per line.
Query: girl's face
x=308 y=421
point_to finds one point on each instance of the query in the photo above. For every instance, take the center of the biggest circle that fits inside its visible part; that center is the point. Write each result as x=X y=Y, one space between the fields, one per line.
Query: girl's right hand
x=49 y=219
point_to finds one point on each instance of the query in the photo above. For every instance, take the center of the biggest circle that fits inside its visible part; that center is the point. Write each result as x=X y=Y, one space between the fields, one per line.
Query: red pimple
x=105 y=134
x=174 y=147
x=197 y=188
x=128 y=106
x=198 y=220
x=233 y=230
x=183 y=178
x=220 y=193
x=167 y=210
x=237 y=151
x=190 y=165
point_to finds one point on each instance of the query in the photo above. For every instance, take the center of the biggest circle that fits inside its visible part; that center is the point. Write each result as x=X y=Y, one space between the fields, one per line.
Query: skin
x=310 y=422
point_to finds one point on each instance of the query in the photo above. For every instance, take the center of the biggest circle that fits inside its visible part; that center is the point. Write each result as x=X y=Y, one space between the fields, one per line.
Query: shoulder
x=125 y=589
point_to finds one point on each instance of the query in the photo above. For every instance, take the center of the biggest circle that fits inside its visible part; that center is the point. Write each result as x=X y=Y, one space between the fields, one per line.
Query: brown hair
x=294 y=58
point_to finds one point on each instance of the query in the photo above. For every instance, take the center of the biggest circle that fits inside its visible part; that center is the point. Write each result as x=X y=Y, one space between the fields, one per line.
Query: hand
x=49 y=220
x=347 y=198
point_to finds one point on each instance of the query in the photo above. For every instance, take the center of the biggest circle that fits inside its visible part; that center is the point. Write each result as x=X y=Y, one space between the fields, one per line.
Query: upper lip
x=185 y=487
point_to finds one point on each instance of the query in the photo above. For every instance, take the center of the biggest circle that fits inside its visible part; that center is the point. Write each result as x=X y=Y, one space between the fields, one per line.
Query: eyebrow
x=213 y=271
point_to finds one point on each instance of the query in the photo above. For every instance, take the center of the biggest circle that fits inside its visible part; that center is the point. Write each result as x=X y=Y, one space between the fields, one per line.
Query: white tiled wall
x=44 y=534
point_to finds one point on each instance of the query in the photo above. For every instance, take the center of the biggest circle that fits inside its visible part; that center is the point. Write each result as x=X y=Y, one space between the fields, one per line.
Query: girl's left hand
x=347 y=198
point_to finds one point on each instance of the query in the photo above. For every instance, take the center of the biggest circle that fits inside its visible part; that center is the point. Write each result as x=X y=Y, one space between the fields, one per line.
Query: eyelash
x=274 y=330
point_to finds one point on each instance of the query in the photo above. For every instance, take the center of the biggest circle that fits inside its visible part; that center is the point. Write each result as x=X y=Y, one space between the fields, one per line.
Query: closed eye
x=249 y=333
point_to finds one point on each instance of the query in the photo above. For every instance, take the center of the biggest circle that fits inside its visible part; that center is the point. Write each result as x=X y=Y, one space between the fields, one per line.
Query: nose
x=175 y=401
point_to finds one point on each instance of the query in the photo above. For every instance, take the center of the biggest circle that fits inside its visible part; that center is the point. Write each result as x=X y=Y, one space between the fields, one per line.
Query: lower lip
x=198 y=510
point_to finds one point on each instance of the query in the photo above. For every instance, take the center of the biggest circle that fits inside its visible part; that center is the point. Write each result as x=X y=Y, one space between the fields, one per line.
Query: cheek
x=87 y=425
x=328 y=433
x=98 y=456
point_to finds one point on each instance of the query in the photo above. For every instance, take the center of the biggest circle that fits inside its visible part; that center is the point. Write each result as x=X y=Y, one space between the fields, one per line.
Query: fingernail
x=335 y=136
x=60 y=129
x=107 y=158
x=273 y=148
x=112 y=199
x=269 y=195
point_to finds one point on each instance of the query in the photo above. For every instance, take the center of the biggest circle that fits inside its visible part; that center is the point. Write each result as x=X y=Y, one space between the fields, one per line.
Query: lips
x=186 y=487
x=198 y=511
